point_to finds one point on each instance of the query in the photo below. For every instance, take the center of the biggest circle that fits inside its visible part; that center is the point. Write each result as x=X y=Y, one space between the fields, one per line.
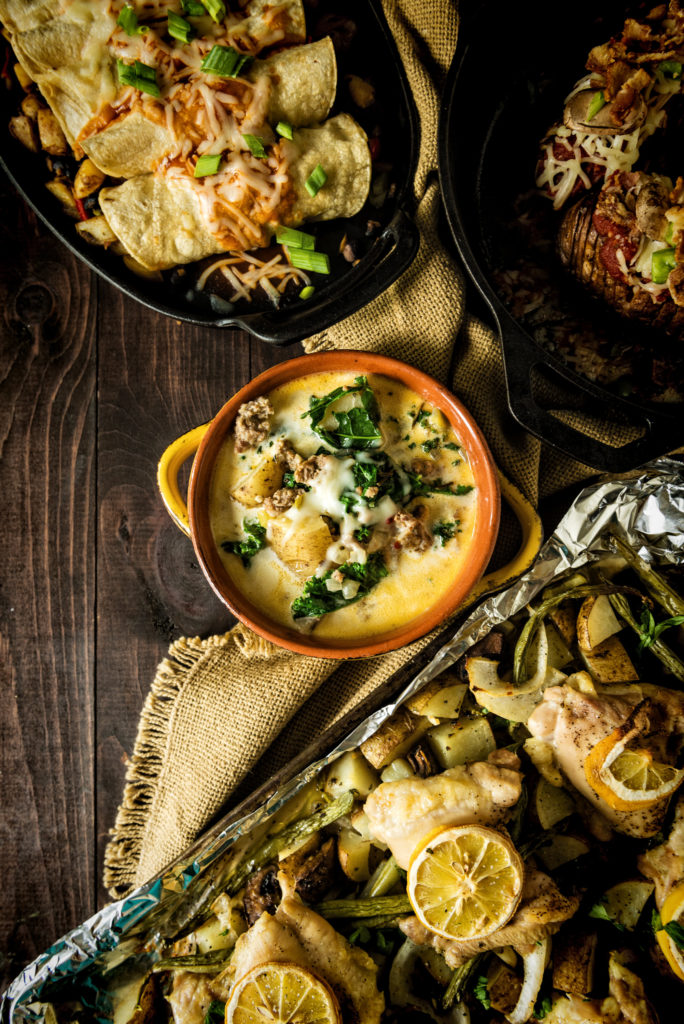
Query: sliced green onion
x=670 y=69
x=598 y=100
x=140 y=76
x=307 y=292
x=255 y=145
x=299 y=239
x=216 y=8
x=224 y=62
x=193 y=8
x=285 y=129
x=128 y=21
x=316 y=180
x=179 y=28
x=207 y=164
x=669 y=234
x=662 y=262
x=305 y=259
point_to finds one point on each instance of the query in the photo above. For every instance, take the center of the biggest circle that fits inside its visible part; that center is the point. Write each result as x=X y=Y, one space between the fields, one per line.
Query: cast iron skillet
x=372 y=52
x=513 y=66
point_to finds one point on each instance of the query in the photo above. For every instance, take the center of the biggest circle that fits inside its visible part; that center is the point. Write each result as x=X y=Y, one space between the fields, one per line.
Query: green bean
x=196 y=963
x=459 y=980
x=266 y=850
x=381 y=921
x=370 y=907
x=659 y=589
x=659 y=648
x=383 y=879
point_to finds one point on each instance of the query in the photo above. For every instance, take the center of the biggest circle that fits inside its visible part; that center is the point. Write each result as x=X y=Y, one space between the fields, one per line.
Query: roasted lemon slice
x=628 y=779
x=465 y=882
x=673 y=913
x=282 y=993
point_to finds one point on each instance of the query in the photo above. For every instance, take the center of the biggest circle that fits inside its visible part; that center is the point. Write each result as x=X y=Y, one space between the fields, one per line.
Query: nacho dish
x=508 y=845
x=334 y=496
x=199 y=129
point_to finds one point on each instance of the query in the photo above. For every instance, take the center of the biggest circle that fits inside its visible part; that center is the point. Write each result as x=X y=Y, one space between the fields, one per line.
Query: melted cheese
x=415 y=580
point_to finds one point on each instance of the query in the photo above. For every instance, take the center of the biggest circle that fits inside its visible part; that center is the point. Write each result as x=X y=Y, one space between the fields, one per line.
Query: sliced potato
x=30 y=105
x=397 y=769
x=440 y=698
x=23 y=130
x=302 y=547
x=625 y=901
x=353 y=852
x=52 y=138
x=394 y=738
x=96 y=231
x=359 y=820
x=610 y=663
x=503 y=987
x=88 y=179
x=23 y=77
x=61 y=191
x=262 y=482
x=574 y=954
x=564 y=619
x=350 y=772
x=213 y=935
x=596 y=622
x=561 y=850
x=552 y=804
x=462 y=742
x=543 y=757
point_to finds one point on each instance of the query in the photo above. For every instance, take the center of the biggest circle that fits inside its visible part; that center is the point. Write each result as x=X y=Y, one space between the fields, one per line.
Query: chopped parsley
x=543 y=1007
x=247 y=549
x=672 y=928
x=650 y=630
x=452 y=447
x=316 y=600
x=363 y=534
x=446 y=529
x=422 y=418
x=357 y=427
x=430 y=445
x=599 y=912
x=481 y=992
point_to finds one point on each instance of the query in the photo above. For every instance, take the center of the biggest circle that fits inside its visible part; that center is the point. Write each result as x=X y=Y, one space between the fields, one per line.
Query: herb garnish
x=672 y=928
x=421 y=488
x=247 y=549
x=481 y=992
x=357 y=427
x=599 y=912
x=430 y=445
x=290 y=482
x=446 y=529
x=650 y=630
x=363 y=534
x=316 y=600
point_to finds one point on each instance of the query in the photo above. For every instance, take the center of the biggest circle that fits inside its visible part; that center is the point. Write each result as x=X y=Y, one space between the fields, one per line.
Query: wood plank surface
x=95 y=580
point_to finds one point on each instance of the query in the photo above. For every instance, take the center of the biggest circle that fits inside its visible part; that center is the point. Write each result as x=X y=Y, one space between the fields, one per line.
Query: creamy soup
x=344 y=506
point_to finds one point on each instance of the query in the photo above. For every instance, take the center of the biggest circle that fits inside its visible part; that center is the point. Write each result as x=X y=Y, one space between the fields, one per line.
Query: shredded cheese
x=246 y=272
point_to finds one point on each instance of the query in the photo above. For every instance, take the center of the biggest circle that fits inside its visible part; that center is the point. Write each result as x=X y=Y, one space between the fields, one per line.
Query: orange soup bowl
x=206 y=442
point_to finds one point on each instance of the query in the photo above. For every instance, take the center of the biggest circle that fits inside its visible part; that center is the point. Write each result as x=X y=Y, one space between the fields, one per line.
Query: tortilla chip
x=131 y=146
x=159 y=222
x=303 y=83
x=340 y=146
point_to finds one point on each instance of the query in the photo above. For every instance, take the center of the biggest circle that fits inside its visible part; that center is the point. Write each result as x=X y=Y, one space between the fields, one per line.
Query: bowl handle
x=178 y=452
x=532 y=537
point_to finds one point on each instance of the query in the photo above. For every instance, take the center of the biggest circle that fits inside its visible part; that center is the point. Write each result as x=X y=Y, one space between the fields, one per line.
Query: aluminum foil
x=647 y=507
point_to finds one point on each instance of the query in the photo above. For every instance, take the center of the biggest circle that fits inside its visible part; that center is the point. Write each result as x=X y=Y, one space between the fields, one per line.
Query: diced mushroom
x=604 y=121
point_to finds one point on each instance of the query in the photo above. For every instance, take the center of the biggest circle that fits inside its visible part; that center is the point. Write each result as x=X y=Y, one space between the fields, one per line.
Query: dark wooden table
x=95 y=580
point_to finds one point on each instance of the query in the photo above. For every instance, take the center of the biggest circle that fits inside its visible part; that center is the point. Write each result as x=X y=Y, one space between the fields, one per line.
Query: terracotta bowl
x=207 y=441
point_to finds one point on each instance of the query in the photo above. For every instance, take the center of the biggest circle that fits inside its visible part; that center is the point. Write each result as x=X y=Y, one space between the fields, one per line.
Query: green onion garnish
x=193 y=8
x=598 y=100
x=179 y=28
x=299 y=239
x=207 y=164
x=255 y=145
x=128 y=21
x=307 y=292
x=662 y=262
x=305 y=259
x=670 y=69
x=285 y=129
x=224 y=62
x=140 y=76
x=316 y=180
x=216 y=8
x=669 y=234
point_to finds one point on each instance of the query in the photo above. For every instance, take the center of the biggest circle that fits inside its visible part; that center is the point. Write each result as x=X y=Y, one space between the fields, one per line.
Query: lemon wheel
x=464 y=882
x=673 y=913
x=628 y=779
x=282 y=993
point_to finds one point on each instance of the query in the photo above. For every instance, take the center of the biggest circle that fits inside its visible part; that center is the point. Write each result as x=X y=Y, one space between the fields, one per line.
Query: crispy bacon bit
x=253 y=423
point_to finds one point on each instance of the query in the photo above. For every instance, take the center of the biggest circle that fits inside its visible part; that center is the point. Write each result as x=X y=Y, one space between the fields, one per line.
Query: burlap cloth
x=216 y=706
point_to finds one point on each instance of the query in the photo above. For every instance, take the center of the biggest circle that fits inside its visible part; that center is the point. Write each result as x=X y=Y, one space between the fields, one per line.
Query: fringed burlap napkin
x=240 y=690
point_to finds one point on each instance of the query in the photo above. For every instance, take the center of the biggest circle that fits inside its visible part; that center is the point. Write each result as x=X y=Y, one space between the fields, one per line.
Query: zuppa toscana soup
x=342 y=505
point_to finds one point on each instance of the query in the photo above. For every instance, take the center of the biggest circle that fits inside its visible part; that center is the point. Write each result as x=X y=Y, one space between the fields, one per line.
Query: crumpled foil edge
x=646 y=506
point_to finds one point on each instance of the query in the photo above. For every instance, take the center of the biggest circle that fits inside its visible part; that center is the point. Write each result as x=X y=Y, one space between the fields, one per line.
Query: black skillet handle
x=521 y=356
x=392 y=253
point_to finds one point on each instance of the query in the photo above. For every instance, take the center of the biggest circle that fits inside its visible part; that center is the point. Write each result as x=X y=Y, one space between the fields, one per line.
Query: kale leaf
x=446 y=529
x=247 y=549
x=357 y=427
x=421 y=488
x=316 y=600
